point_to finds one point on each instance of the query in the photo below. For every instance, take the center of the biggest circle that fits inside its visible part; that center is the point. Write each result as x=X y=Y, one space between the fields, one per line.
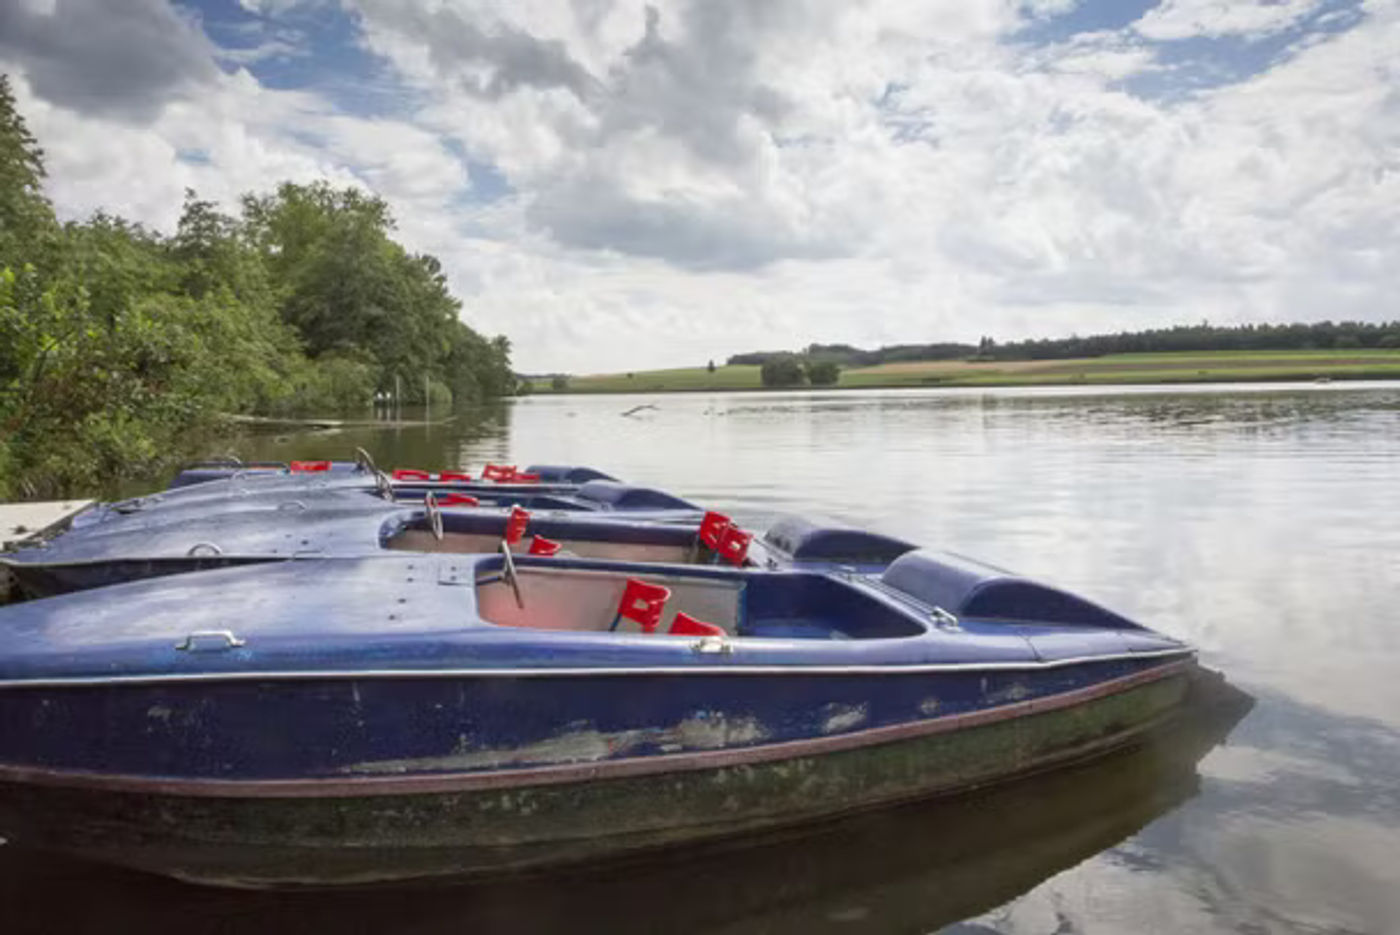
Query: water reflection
x=913 y=868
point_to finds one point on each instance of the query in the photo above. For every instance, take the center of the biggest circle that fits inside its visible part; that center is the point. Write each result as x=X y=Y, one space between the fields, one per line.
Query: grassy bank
x=1193 y=367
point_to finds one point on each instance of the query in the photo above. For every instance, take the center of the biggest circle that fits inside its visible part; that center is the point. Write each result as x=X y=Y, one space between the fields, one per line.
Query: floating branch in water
x=636 y=409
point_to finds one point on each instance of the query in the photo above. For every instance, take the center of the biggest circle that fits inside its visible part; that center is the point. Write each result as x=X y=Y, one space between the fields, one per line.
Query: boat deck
x=22 y=522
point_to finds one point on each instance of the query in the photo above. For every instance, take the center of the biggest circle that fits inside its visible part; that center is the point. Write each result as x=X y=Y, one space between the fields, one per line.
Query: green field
x=1189 y=367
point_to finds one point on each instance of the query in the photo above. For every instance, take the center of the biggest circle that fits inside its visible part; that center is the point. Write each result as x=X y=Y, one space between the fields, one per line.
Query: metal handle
x=204 y=548
x=210 y=641
x=384 y=485
x=291 y=505
x=434 y=515
x=713 y=645
x=943 y=619
x=508 y=572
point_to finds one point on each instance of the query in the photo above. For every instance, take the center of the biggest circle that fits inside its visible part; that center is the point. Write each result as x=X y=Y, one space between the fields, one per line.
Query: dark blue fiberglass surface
x=807 y=605
x=398 y=725
x=566 y=473
x=806 y=541
x=385 y=661
x=965 y=587
x=627 y=497
x=419 y=612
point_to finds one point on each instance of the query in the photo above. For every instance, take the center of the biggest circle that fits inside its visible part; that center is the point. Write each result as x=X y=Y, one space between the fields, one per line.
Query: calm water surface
x=1261 y=523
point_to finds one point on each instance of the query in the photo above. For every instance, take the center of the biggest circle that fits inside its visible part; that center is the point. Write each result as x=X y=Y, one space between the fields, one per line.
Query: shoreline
x=1316 y=377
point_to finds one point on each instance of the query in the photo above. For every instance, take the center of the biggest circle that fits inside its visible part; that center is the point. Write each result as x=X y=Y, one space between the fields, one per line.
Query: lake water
x=1260 y=523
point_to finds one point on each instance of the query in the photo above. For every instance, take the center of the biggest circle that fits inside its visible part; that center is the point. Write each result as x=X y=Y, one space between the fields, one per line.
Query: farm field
x=1185 y=367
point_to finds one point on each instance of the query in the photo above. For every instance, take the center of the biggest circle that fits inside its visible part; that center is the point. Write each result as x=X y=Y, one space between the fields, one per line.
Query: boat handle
x=204 y=548
x=713 y=644
x=210 y=641
x=943 y=619
x=434 y=515
x=291 y=505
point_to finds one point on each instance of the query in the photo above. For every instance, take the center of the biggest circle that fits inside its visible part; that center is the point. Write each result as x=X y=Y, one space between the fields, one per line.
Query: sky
x=620 y=185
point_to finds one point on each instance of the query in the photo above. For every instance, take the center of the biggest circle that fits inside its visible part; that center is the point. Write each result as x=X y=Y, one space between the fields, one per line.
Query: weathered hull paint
x=378 y=829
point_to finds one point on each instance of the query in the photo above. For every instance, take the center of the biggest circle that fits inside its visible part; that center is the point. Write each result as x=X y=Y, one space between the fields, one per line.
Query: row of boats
x=324 y=673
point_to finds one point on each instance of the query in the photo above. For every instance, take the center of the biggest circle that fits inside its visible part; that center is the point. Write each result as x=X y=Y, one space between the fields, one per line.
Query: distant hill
x=1202 y=337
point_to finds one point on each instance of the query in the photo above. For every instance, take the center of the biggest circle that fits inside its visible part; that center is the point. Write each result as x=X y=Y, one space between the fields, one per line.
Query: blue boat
x=194 y=540
x=347 y=720
x=353 y=489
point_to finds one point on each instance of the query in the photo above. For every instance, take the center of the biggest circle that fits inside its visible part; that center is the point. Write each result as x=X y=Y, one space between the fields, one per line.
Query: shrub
x=823 y=372
x=782 y=370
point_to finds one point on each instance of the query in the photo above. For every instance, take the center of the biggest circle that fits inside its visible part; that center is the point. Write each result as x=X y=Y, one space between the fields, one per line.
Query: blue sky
x=608 y=181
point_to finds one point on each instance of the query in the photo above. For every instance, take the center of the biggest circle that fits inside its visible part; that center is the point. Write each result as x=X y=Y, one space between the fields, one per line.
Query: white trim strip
x=583 y=672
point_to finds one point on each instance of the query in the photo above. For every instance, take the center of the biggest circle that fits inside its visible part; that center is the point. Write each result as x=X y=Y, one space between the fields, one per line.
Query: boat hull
x=363 y=829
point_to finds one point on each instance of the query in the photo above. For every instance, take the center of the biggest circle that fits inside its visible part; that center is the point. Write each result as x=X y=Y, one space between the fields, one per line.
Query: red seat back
x=526 y=478
x=411 y=474
x=454 y=475
x=734 y=545
x=515 y=524
x=498 y=472
x=686 y=625
x=539 y=545
x=712 y=529
x=309 y=467
x=643 y=602
x=457 y=499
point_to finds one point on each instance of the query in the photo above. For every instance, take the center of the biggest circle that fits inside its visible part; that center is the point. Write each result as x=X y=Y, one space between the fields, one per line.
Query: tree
x=559 y=382
x=782 y=370
x=121 y=348
x=711 y=367
x=823 y=372
x=26 y=217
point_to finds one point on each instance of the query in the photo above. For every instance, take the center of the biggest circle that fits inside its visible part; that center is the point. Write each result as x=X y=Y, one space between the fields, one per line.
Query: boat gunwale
x=565 y=773
x=591 y=671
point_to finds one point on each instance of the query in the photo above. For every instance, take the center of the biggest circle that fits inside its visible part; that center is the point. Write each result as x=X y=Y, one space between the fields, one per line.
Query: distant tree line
x=120 y=346
x=1203 y=337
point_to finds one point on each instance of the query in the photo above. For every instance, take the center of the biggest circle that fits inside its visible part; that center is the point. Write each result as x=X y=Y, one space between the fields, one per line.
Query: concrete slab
x=21 y=521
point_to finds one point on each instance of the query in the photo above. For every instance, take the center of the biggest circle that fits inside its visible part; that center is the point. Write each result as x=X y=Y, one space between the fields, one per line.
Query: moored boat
x=196 y=541
x=358 y=719
x=360 y=485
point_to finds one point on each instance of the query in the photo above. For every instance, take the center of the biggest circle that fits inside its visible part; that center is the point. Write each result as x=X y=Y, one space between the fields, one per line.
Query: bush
x=559 y=382
x=333 y=383
x=823 y=372
x=782 y=370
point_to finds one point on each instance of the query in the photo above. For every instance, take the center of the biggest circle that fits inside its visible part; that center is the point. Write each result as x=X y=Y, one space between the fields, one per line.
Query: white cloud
x=1184 y=19
x=721 y=176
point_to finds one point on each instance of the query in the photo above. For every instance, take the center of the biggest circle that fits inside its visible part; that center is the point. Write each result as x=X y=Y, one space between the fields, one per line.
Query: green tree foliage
x=782 y=370
x=559 y=382
x=26 y=217
x=823 y=372
x=119 y=347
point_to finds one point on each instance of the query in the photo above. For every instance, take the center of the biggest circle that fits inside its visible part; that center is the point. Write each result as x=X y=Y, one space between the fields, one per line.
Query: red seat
x=454 y=475
x=309 y=467
x=498 y=472
x=526 y=478
x=643 y=603
x=515 y=524
x=712 y=529
x=734 y=545
x=457 y=499
x=686 y=625
x=411 y=474
x=539 y=545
